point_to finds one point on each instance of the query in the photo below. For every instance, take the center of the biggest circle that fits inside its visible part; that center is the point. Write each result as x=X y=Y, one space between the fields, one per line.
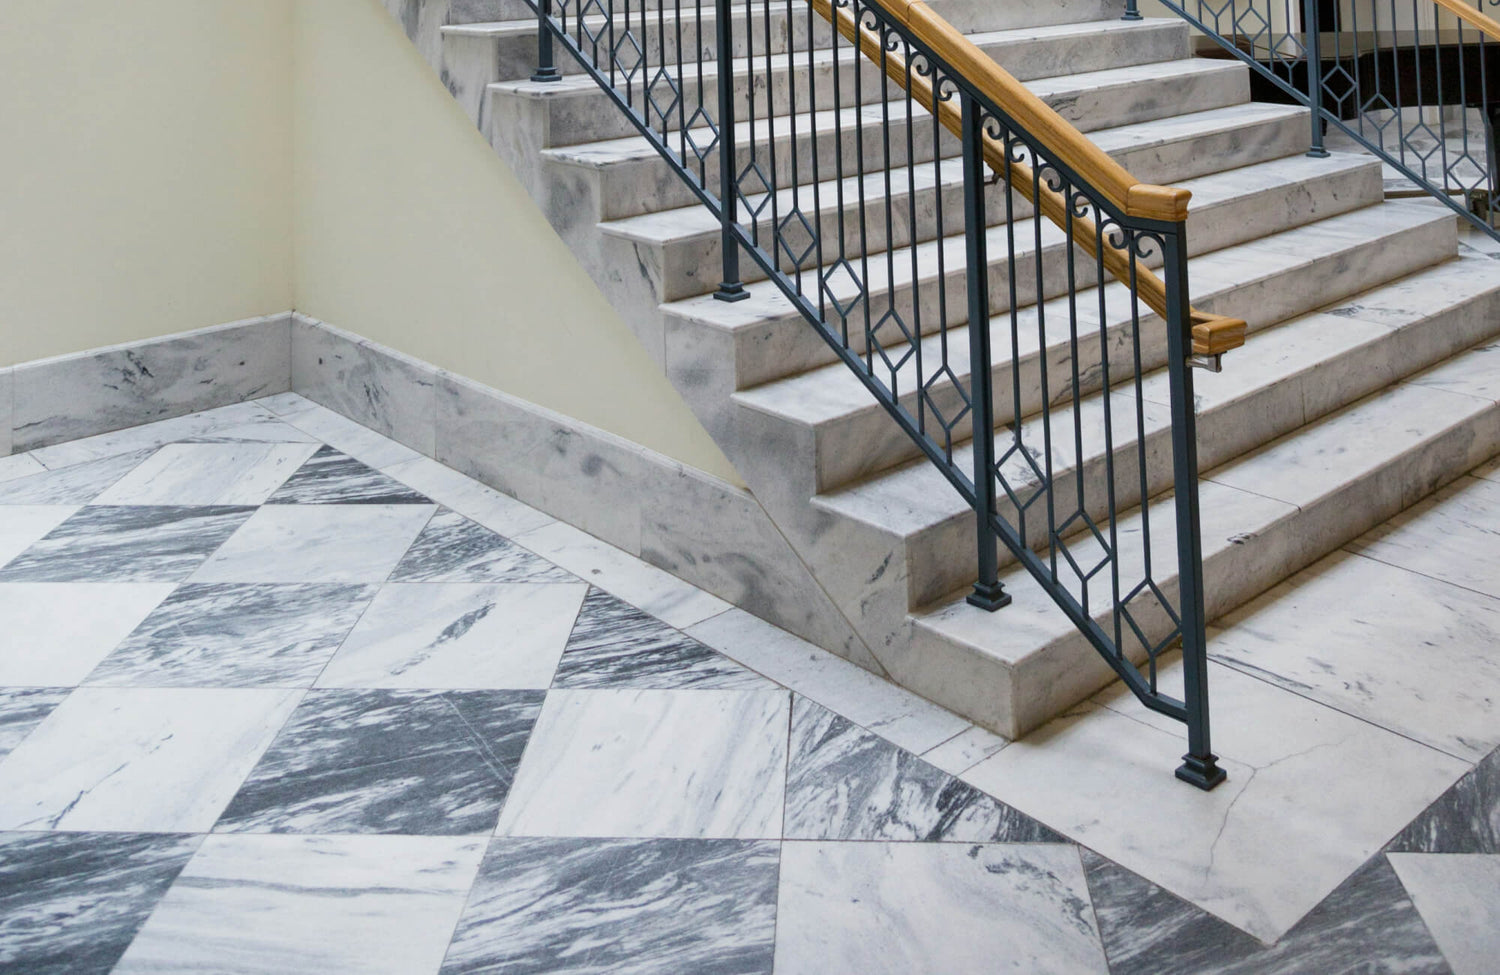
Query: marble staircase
x=1360 y=390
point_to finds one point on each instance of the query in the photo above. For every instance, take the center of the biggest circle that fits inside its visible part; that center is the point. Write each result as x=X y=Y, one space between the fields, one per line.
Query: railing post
x=988 y=593
x=730 y=286
x=1132 y=10
x=1312 y=56
x=1200 y=765
x=546 y=67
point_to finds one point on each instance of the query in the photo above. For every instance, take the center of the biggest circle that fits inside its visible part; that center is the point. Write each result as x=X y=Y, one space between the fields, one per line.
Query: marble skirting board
x=49 y=401
x=700 y=528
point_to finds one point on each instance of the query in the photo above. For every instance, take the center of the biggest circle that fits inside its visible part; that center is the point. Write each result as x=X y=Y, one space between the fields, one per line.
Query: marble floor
x=279 y=695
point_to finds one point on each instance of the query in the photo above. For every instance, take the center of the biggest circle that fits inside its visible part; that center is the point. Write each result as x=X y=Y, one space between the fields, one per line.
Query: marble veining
x=22 y=709
x=56 y=632
x=209 y=473
x=844 y=783
x=127 y=544
x=1465 y=819
x=23 y=524
x=456 y=635
x=227 y=424
x=77 y=484
x=230 y=635
x=332 y=477
x=1458 y=896
x=453 y=548
x=613 y=644
x=382 y=761
x=334 y=905
x=317 y=543
x=71 y=902
x=601 y=761
x=630 y=907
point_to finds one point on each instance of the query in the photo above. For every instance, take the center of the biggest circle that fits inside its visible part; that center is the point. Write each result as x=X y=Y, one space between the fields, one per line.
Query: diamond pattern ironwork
x=841 y=278
x=791 y=232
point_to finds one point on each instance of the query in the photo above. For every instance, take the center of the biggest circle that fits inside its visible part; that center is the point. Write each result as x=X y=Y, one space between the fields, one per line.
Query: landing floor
x=279 y=695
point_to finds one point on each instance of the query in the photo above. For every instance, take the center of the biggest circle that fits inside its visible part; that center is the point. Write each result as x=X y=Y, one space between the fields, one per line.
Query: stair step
x=1264 y=517
x=915 y=504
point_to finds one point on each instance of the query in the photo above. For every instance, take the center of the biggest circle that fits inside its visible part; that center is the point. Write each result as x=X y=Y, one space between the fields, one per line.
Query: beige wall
x=145 y=169
x=412 y=232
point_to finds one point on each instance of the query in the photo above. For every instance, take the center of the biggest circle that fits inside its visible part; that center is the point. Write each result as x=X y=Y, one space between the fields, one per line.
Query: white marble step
x=914 y=504
x=852 y=432
x=1263 y=516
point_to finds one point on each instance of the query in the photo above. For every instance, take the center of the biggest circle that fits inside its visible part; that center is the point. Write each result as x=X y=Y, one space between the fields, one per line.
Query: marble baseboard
x=49 y=401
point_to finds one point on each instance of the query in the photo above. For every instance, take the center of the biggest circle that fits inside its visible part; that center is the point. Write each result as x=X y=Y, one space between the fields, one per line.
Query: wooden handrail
x=1476 y=19
x=1212 y=334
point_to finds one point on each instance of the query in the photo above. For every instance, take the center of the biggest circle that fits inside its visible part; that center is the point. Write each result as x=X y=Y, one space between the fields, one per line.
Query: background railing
x=1015 y=315
x=1416 y=82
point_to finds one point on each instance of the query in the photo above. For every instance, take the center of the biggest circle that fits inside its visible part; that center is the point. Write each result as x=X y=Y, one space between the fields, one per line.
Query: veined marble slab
x=1454 y=537
x=600 y=762
x=1465 y=819
x=453 y=548
x=227 y=424
x=56 y=632
x=77 y=484
x=227 y=473
x=844 y=783
x=317 y=543
x=70 y=903
x=331 y=477
x=457 y=635
x=628 y=907
x=103 y=543
x=336 y=905
x=934 y=907
x=613 y=644
x=138 y=759
x=1458 y=895
x=355 y=761
x=24 y=524
x=230 y=635
x=22 y=709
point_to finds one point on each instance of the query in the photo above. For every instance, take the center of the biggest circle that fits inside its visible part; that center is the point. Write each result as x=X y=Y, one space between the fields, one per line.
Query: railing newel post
x=1313 y=60
x=546 y=65
x=731 y=288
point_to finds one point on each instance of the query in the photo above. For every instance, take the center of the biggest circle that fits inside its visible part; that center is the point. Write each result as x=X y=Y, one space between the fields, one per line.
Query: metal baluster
x=546 y=67
x=988 y=592
x=730 y=288
x=1312 y=57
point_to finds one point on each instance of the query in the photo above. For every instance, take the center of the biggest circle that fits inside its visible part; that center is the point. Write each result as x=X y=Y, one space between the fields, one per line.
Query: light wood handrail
x=1477 y=19
x=1212 y=334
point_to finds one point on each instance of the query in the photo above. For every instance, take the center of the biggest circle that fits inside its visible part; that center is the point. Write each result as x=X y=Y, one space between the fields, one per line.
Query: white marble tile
x=56 y=632
x=219 y=473
x=22 y=525
x=965 y=750
x=317 y=543
x=601 y=762
x=1401 y=650
x=454 y=635
x=478 y=502
x=343 y=434
x=893 y=713
x=875 y=908
x=1296 y=816
x=236 y=422
x=659 y=593
x=1458 y=896
x=1455 y=537
x=328 y=904
x=19 y=465
x=74 y=484
x=150 y=760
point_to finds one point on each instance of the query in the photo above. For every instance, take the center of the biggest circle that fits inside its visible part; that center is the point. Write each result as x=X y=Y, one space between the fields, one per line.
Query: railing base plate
x=988 y=598
x=1202 y=771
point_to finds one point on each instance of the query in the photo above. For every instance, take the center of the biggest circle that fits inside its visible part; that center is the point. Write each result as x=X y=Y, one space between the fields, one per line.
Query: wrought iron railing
x=1416 y=82
x=988 y=275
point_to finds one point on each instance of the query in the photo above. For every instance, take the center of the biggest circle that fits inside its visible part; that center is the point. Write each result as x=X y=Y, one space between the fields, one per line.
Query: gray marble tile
x=1458 y=896
x=621 y=906
x=240 y=422
x=157 y=760
x=317 y=543
x=127 y=544
x=56 y=632
x=380 y=761
x=844 y=783
x=1465 y=819
x=79 y=395
x=331 y=477
x=375 y=386
x=458 y=635
x=934 y=907
x=613 y=644
x=335 y=905
x=453 y=548
x=1454 y=537
x=601 y=761
x=478 y=502
x=70 y=903
x=22 y=525
x=231 y=635
x=76 y=484
x=22 y=709
x=209 y=473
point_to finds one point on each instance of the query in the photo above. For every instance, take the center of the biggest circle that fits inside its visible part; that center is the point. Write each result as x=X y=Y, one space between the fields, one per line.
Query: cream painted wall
x=145 y=169
x=410 y=231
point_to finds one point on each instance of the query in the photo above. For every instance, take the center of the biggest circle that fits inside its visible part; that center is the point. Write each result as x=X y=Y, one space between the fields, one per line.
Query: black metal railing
x=1413 y=81
x=996 y=304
